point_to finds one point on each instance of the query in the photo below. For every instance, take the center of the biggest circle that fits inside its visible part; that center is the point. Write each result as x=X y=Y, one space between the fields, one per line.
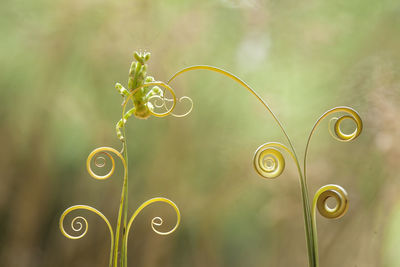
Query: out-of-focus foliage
x=61 y=59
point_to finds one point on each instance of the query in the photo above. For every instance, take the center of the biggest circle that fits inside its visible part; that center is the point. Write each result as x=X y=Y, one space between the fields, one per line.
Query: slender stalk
x=314 y=228
x=123 y=248
x=121 y=206
x=310 y=233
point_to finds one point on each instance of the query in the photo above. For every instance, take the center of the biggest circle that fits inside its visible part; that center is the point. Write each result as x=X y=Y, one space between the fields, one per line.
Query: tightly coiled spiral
x=100 y=161
x=165 y=100
x=331 y=191
x=156 y=221
x=79 y=223
x=268 y=160
x=335 y=123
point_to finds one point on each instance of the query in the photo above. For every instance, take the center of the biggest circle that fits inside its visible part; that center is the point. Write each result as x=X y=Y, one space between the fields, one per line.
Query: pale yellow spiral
x=338 y=194
x=79 y=223
x=337 y=133
x=100 y=161
x=268 y=160
x=181 y=99
x=155 y=222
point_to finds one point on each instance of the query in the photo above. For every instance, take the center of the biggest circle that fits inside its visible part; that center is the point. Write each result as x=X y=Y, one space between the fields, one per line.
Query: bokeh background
x=60 y=61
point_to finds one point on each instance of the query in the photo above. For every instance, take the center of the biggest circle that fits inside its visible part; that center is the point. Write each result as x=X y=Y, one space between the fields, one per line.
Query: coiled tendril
x=336 y=122
x=156 y=221
x=181 y=99
x=100 y=161
x=320 y=202
x=337 y=132
x=78 y=223
x=269 y=163
x=153 y=101
x=331 y=191
x=268 y=160
x=334 y=191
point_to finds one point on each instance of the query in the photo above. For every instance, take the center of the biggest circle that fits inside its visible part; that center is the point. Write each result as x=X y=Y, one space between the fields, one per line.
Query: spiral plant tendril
x=269 y=162
x=149 y=97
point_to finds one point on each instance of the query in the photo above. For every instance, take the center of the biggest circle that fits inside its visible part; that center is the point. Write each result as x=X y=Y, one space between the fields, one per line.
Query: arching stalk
x=310 y=235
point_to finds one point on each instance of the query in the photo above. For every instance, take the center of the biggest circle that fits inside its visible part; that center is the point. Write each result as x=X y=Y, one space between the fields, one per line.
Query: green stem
x=310 y=233
x=314 y=228
x=121 y=206
x=123 y=248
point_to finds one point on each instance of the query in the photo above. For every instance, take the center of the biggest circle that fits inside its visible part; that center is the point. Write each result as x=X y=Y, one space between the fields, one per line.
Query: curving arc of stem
x=241 y=82
x=78 y=223
x=155 y=222
x=351 y=114
x=269 y=162
x=292 y=151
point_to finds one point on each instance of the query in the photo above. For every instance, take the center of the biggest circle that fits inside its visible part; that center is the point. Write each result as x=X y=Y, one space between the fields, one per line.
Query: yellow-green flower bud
x=121 y=89
x=149 y=79
x=146 y=56
x=138 y=58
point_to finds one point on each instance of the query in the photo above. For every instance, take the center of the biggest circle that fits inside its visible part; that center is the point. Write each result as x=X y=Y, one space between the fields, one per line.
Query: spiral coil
x=338 y=194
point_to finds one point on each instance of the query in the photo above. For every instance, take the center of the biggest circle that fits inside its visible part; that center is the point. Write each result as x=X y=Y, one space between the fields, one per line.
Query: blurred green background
x=61 y=59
